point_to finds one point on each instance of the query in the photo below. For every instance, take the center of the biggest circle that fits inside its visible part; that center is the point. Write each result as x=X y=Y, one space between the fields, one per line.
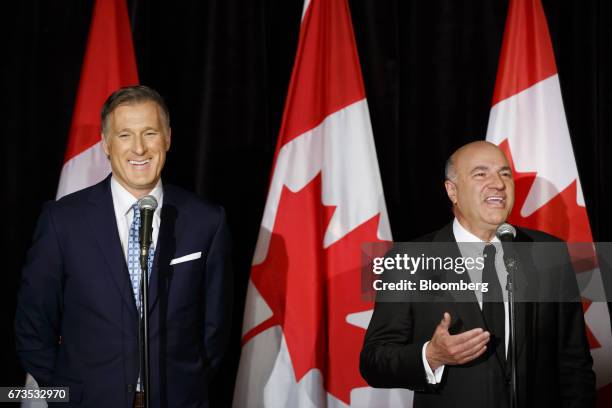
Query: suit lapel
x=102 y=219
x=464 y=302
x=524 y=291
x=166 y=247
x=104 y=224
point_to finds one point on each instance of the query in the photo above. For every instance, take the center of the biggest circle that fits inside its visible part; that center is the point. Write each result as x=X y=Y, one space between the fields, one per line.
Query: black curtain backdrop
x=224 y=66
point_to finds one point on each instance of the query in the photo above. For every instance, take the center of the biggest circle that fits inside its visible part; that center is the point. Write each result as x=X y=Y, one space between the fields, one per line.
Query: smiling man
x=77 y=320
x=136 y=137
x=454 y=353
x=480 y=186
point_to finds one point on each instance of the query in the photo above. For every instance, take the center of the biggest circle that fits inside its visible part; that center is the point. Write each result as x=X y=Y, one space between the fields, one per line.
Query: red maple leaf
x=561 y=217
x=311 y=290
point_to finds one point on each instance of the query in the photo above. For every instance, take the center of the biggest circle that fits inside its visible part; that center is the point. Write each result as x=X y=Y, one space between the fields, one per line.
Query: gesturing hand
x=444 y=348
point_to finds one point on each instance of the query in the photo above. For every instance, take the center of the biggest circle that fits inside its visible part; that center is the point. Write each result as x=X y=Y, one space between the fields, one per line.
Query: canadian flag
x=304 y=318
x=528 y=121
x=109 y=64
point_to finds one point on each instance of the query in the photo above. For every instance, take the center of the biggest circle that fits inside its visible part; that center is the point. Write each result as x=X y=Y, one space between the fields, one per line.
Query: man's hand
x=443 y=348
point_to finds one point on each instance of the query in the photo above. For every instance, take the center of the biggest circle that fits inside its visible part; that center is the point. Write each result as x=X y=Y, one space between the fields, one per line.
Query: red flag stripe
x=526 y=56
x=331 y=86
x=109 y=63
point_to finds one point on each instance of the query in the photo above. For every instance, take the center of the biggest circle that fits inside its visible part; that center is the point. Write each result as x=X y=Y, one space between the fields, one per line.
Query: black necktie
x=492 y=302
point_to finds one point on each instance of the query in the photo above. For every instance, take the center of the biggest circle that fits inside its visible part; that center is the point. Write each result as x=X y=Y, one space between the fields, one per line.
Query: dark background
x=224 y=65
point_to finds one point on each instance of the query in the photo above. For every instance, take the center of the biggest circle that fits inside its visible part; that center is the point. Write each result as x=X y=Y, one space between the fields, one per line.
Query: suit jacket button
x=130 y=388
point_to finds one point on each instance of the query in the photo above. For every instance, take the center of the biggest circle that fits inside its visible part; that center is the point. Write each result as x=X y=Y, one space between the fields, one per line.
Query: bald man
x=455 y=354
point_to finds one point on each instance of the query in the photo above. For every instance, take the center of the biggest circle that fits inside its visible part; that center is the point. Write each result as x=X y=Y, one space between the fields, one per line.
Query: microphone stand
x=511 y=264
x=147 y=206
x=144 y=324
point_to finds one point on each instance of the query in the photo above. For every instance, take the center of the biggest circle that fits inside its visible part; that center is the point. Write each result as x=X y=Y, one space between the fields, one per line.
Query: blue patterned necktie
x=133 y=256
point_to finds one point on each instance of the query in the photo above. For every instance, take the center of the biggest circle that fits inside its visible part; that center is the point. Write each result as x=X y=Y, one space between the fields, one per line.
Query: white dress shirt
x=463 y=235
x=123 y=201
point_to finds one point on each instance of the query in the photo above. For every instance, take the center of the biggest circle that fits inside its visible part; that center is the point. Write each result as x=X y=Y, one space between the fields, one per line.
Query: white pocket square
x=190 y=257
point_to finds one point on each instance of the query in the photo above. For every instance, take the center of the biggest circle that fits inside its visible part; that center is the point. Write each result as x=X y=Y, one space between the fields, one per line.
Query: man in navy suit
x=77 y=318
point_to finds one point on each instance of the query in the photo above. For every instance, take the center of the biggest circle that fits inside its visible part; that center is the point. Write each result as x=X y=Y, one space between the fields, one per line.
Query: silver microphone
x=505 y=232
x=147 y=206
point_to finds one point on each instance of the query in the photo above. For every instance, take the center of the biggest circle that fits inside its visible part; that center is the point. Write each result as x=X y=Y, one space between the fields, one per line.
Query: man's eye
x=506 y=174
x=481 y=174
x=123 y=135
x=150 y=134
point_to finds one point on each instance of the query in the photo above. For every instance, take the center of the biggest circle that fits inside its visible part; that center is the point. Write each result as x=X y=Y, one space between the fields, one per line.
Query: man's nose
x=498 y=182
x=138 y=145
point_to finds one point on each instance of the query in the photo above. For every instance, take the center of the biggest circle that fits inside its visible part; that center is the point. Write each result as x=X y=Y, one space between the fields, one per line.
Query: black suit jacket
x=554 y=367
x=77 y=324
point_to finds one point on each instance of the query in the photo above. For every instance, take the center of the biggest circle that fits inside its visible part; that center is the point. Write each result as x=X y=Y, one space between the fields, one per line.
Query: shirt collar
x=463 y=235
x=469 y=244
x=124 y=200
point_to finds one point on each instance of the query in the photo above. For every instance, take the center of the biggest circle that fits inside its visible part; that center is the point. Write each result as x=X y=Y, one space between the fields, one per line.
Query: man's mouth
x=139 y=162
x=496 y=201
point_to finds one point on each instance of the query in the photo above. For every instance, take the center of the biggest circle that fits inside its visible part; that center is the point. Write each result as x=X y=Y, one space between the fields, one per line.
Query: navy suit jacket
x=77 y=325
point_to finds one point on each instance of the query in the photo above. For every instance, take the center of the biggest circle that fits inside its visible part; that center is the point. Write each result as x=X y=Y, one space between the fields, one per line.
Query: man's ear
x=168 y=138
x=451 y=191
x=105 y=145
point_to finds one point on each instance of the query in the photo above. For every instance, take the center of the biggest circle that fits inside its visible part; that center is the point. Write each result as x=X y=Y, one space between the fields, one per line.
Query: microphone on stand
x=147 y=206
x=506 y=234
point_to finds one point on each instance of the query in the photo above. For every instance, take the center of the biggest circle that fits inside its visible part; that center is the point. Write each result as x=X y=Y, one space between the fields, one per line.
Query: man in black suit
x=78 y=312
x=455 y=353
